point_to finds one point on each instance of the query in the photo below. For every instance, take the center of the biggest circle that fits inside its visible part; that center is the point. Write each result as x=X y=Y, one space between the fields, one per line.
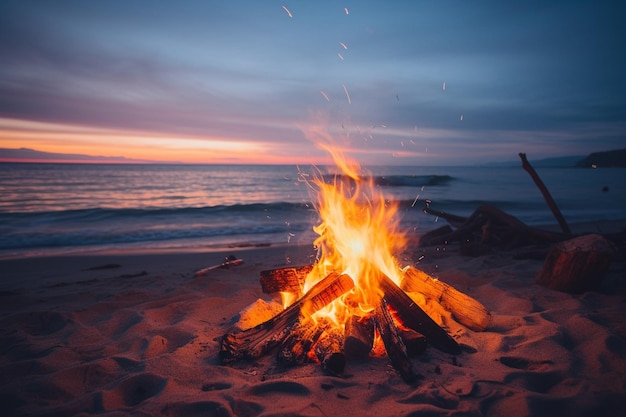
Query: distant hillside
x=616 y=158
x=31 y=155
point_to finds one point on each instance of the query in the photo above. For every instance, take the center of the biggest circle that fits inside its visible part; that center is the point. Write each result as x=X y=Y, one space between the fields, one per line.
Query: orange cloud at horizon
x=98 y=142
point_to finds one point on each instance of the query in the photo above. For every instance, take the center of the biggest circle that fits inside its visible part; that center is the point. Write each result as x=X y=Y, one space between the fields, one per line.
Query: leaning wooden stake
x=413 y=317
x=546 y=194
x=257 y=341
x=465 y=309
x=394 y=345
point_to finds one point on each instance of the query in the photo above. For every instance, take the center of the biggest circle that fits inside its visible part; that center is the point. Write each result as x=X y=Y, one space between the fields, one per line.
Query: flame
x=358 y=235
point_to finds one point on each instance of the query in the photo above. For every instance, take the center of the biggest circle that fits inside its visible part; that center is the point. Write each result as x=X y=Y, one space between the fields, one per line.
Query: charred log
x=412 y=316
x=329 y=351
x=257 y=341
x=296 y=346
x=415 y=342
x=394 y=345
x=359 y=337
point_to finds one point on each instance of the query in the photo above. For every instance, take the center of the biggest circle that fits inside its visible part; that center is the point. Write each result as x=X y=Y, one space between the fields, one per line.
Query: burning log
x=465 y=309
x=330 y=351
x=359 y=337
x=413 y=317
x=295 y=348
x=394 y=345
x=284 y=279
x=257 y=341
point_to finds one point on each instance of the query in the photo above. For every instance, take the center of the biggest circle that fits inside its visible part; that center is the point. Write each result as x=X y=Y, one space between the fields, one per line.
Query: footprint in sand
x=133 y=391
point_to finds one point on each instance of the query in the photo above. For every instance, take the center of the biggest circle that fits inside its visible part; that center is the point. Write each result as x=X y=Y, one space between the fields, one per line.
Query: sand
x=139 y=335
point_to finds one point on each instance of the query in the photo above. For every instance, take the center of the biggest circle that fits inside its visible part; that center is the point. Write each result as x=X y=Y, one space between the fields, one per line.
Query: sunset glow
x=234 y=82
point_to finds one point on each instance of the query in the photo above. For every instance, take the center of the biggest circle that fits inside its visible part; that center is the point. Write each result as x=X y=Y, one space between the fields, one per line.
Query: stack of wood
x=404 y=327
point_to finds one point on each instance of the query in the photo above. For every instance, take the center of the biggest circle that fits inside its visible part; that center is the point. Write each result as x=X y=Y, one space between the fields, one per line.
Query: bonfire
x=356 y=295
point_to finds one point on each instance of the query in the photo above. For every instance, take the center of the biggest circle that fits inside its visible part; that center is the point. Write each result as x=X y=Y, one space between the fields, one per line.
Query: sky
x=386 y=82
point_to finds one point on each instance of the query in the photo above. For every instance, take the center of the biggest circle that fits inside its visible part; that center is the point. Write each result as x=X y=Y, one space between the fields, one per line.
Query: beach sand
x=138 y=334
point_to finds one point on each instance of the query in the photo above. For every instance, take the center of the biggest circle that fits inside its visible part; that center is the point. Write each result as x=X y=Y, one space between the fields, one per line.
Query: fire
x=358 y=235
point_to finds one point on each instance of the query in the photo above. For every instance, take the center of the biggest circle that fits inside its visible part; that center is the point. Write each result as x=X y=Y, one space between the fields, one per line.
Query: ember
x=353 y=288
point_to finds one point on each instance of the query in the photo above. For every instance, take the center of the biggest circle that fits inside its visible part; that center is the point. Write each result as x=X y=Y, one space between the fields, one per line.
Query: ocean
x=53 y=209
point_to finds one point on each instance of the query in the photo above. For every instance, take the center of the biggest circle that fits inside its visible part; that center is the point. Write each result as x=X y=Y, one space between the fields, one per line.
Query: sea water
x=50 y=209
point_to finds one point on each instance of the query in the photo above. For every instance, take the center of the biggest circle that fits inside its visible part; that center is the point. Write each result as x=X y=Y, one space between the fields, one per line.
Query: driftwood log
x=488 y=226
x=259 y=340
x=577 y=265
x=465 y=309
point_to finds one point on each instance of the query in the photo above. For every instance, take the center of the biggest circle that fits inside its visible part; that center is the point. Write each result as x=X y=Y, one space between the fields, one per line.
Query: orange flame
x=358 y=235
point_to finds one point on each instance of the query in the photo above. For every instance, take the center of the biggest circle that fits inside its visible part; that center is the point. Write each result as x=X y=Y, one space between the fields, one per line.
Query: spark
x=443 y=86
x=402 y=143
x=412 y=141
x=343 y=45
x=325 y=95
x=345 y=9
x=340 y=56
x=287 y=11
x=347 y=94
x=415 y=201
x=461 y=117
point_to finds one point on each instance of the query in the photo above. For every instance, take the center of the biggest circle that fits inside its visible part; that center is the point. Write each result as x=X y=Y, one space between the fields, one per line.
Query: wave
x=103 y=226
x=398 y=180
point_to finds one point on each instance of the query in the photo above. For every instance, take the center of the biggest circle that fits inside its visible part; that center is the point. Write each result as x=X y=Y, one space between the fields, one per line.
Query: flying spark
x=345 y=9
x=325 y=95
x=340 y=56
x=415 y=201
x=343 y=45
x=461 y=117
x=347 y=94
x=287 y=11
x=443 y=86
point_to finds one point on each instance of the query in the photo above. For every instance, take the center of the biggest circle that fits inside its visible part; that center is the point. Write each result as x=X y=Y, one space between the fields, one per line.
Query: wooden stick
x=546 y=194
x=257 y=341
x=413 y=317
x=396 y=350
x=465 y=309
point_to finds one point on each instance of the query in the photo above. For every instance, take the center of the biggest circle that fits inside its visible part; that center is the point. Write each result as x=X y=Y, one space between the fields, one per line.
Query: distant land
x=614 y=158
x=606 y=159
x=31 y=155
